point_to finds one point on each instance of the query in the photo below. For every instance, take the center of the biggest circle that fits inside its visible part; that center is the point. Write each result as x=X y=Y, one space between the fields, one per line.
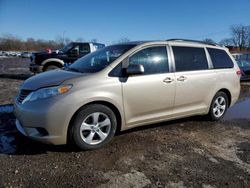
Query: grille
x=23 y=94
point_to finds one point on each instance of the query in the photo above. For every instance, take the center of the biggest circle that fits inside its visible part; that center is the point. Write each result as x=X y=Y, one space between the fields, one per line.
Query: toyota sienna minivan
x=124 y=86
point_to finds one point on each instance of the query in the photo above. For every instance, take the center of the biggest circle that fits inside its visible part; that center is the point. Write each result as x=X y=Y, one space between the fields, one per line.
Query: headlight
x=47 y=93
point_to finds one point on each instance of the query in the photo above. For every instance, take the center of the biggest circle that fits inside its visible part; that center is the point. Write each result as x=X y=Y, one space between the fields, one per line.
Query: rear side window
x=153 y=59
x=189 y=58
x=220 y=59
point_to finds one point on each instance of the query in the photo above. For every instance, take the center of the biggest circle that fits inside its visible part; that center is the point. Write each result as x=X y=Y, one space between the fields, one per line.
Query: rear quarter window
x=220 y=58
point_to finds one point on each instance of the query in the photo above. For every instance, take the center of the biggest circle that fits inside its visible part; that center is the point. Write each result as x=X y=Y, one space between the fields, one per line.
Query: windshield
x=67 y=47
x=96 y=61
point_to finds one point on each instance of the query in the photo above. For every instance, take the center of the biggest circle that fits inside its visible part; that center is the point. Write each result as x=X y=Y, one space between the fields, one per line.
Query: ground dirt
x=190 y=152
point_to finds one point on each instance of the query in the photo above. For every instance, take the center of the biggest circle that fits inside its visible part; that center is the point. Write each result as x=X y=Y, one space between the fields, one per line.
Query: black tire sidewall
x=81 y=115
x=211 y=114
x=51 y=67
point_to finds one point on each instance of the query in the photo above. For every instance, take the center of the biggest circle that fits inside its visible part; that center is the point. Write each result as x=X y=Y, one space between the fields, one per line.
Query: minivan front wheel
x=94 y=126
x=218 y=106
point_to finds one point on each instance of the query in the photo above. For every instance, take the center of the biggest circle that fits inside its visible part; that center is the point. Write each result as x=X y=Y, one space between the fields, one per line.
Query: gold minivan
x=124 y=86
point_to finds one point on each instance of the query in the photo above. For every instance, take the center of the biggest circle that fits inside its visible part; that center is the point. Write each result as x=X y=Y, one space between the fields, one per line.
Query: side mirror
x=134 y=69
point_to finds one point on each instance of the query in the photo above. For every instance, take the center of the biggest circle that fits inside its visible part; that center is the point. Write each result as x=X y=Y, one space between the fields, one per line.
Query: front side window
x=67 y=48
x=220 y=59
x=75 y=50
x=189 y=58
x=84 y=49
x=153 y=59
x=98 y=60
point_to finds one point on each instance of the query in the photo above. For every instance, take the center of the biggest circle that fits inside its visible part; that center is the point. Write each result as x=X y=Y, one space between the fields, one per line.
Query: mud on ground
x=189 y=152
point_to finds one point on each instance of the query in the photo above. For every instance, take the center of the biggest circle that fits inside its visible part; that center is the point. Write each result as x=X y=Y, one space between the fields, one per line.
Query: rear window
x=220 y=59
x=189 y=58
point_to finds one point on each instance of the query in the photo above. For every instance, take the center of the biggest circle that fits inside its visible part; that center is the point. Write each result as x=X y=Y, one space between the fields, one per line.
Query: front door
x=149 y=97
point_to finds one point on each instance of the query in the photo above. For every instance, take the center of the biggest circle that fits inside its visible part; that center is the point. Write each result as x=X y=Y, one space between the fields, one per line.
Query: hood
x=40 y=53
x=40 y=56
x=48 y=79
x=54 y=52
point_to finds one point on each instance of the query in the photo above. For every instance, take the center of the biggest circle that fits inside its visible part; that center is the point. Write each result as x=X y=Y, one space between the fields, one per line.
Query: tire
x=93 y=127
x=51 y=67
x=218 y=106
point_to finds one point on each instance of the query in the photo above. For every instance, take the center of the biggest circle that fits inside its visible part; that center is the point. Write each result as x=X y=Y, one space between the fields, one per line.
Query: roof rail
x=195 y=41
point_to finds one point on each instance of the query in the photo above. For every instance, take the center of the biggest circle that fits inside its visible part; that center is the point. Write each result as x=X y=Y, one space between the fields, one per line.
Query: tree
x=67 y=41
x=62 y=41
x=12 y=43
x=80 y=39
x=94 y=40
x=240 y=35
x=122 y=40
x=208 y=40
x=226 y=42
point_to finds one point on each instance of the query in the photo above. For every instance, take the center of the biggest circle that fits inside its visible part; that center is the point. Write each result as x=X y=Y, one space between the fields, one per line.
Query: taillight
x=238 y=72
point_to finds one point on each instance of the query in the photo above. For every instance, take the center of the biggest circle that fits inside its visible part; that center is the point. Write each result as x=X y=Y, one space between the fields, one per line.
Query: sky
x=110 y=20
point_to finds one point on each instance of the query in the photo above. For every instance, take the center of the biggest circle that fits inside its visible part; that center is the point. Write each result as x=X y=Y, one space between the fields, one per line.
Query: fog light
x=42 y=131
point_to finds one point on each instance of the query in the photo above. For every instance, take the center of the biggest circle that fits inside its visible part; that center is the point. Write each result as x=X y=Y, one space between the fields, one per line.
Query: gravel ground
x=13 y=71
x=190 y=152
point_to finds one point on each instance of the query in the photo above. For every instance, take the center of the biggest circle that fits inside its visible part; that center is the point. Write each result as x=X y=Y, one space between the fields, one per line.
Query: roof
x=186 y=41
x=193 y=41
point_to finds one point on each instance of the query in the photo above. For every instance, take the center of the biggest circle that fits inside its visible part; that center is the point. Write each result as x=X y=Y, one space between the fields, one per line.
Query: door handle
x=182 y=78
x=168 y=80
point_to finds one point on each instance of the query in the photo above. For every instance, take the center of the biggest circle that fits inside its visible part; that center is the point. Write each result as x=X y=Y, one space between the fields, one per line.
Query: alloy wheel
x=219 y=106
x=95 y=128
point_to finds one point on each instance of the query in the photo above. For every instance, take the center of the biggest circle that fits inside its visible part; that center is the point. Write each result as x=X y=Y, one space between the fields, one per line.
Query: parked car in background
x=26 y=54
x=243 y=61
x=245 y=69
x=45 y=61
x=11 y=53
x=124 y=86
x=5 y=53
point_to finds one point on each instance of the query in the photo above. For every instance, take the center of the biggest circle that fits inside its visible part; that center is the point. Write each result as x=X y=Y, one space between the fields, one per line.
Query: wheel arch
x=52 y=61
x=229 y=95
x=102 y=102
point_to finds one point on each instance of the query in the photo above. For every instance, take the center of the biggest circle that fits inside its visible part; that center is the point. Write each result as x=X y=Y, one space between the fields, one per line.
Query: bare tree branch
x=240 y=35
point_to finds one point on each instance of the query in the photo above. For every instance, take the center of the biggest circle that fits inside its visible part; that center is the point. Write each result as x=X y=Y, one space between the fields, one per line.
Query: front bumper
x=36 y=68
x=46 y=121
x=34 y=134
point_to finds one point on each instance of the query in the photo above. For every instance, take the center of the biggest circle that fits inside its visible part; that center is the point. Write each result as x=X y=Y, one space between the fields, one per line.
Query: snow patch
x=6 y=108
x=6 y=145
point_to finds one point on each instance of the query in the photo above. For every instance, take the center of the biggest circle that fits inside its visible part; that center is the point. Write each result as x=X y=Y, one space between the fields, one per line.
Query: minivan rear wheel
x=218 y=106
x=93 y=127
